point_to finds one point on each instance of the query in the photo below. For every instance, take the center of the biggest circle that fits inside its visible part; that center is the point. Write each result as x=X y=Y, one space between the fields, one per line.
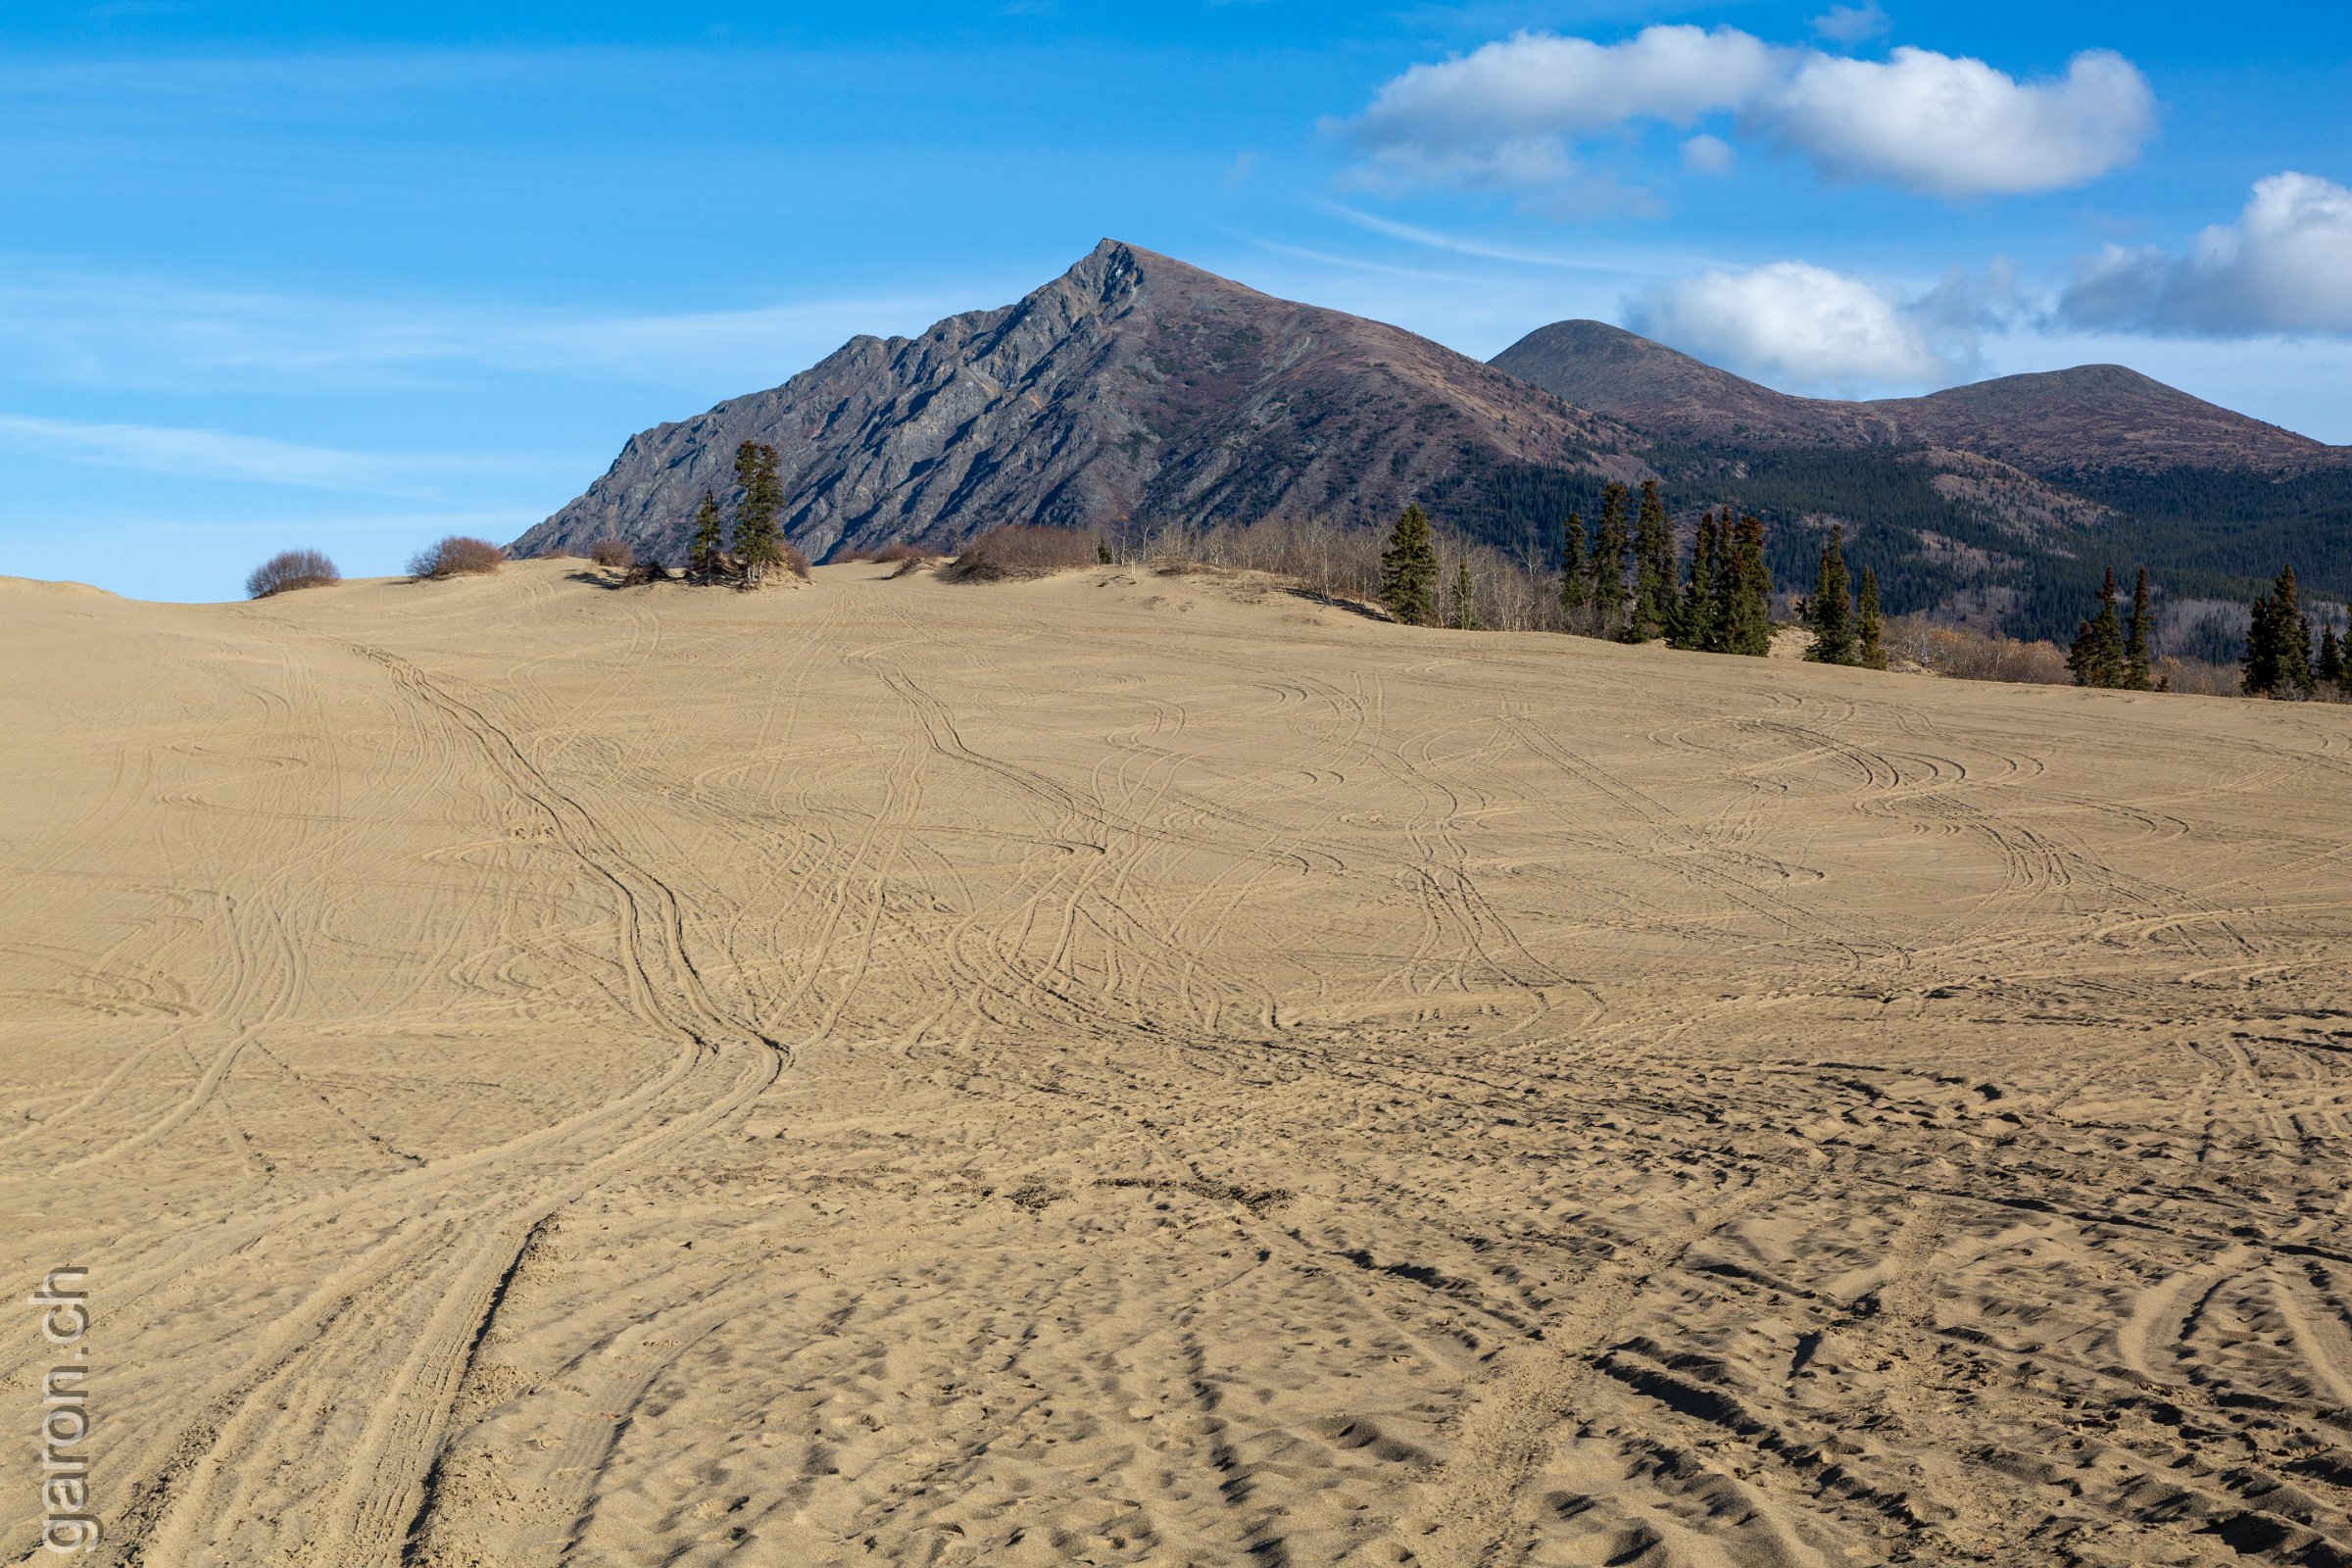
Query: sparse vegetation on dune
x=290 y=569
x=456 y=556
x=1968 y=655
x=618 y=553
x=1023 y=550
x=889 y=555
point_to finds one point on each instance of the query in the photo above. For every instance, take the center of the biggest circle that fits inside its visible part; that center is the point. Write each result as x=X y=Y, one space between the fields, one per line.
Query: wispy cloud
x=160 y=335
x=1354 y=263
x=1610 y=261
x=197 y=453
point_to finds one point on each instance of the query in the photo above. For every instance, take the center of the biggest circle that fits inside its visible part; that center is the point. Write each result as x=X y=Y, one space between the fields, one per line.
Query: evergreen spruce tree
x=1654 y=607
x=708 y=537
x=2258 y=671
x=2100 y=655
x=2138 y=639
x=1462 y=613
x=1609 y=546
x=2278 y=661
x=1408 y=570
x=2327 y=672
x=1748 y=617
x=1829 y=611
x=756 y=513
x=1869 y=626
x=2343 y=681
x=1576 y=584
x=1694 y=625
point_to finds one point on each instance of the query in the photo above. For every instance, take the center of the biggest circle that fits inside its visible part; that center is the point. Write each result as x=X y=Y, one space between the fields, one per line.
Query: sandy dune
x=1138 y=1070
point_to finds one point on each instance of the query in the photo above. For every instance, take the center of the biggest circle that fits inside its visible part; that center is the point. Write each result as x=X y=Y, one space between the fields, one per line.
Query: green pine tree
x=1695 y=621
x=1609 y=545
x=2278 y=661
x=2343 y=681
x=2258 y=671
x=756 y=513
x=708 y=537
x=1869 y=627
x=1829 y=610
x=1654 y=606
x=2328 y=671
x=2100 y=655
x=1576 y=584
x=1747 y=595
x=1462 y=612
x=1408 y=570
x=2139 y=639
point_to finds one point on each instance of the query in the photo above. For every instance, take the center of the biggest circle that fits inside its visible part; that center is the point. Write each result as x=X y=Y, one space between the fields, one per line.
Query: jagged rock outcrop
x=1131 y=391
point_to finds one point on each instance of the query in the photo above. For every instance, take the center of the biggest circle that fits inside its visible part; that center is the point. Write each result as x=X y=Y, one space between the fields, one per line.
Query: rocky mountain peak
x=1134 y=389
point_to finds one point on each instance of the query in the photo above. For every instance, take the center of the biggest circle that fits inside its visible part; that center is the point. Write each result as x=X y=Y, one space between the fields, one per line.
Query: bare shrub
x=614 y=553
x=288 y=570
x=1020 y=549
x=1516 y=590
x=2200 y=677
x=889 y=555
x=1966 y=655
x=910 y=566
x=454 y=557
x=790 y=558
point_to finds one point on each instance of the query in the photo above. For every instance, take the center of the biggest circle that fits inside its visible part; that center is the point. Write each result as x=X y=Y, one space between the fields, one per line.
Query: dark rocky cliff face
x=1131 y=391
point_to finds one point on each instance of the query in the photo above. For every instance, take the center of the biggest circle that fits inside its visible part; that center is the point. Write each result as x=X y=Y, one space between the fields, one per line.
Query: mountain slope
x=2094 y=416
x=2001 y=503
x=1132 y=390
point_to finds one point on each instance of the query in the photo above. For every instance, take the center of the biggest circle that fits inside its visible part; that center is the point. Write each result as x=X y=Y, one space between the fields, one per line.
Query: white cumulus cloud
x=1538 y=84
x=1510 y=113
x=1958 y=128
x=2285 y=265
x=1795 y=326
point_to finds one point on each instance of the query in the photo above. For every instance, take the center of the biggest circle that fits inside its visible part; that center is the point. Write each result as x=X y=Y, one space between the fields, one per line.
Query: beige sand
x=1128 y=1069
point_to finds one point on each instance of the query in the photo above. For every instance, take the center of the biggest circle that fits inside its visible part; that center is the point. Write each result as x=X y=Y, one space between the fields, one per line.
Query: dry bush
x=614 y=553
x=454 y=557
x=288 y=570
x=2200 y=678
x=789 y=559
x=1020 y=549
x=1965 y=655
x=1516 y=591
x=889 y=555
x=913 y=564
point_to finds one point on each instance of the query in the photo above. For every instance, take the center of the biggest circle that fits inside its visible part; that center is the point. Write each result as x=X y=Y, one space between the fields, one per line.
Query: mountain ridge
x=2085 y=416
x=1136 y=393
x=1134 y=389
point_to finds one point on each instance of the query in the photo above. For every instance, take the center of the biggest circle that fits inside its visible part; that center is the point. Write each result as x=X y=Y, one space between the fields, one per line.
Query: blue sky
x=271 y=276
